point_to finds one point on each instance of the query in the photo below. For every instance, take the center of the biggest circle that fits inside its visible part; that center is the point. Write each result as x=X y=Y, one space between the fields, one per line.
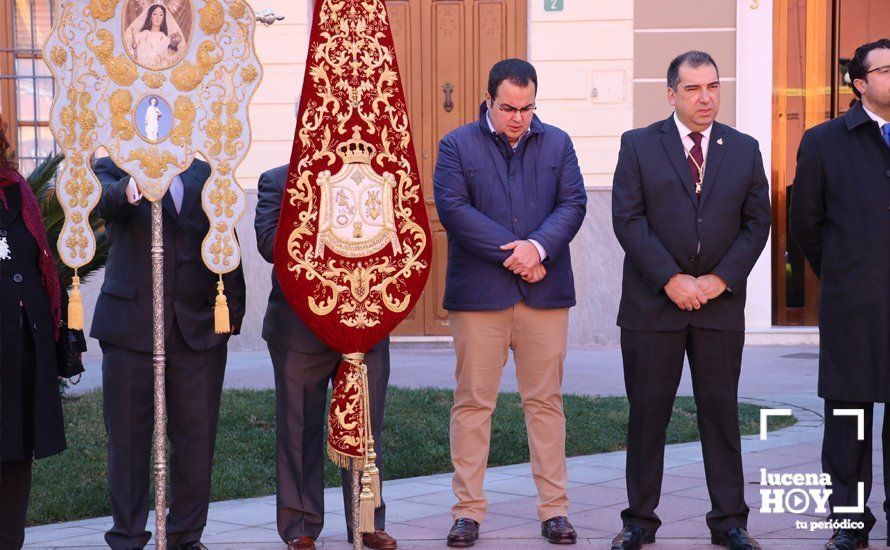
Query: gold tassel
x=366 y=507
x=75 y=305
x=373 y=472
x=221 y=310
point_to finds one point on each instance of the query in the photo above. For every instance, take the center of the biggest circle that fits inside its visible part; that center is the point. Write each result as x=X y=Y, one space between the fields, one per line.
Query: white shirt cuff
x=133 y=194
x=541 y=252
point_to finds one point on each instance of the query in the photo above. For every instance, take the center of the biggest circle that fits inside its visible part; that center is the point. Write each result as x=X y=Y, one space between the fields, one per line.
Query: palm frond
x=43 y=183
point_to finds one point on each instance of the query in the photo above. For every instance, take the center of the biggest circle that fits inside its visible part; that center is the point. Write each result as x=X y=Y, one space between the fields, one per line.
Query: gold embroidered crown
x=355 y=150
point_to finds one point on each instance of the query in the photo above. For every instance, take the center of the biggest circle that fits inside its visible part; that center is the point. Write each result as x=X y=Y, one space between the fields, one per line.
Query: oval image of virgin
x=156 y=32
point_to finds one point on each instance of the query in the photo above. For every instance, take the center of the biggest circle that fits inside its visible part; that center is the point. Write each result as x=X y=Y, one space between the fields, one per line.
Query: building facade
x=601 y=66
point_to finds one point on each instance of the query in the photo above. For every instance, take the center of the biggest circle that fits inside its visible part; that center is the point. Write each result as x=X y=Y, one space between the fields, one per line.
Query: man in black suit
x=690 y=207
x=840 y=219
x=304 y=366
x=195 y=354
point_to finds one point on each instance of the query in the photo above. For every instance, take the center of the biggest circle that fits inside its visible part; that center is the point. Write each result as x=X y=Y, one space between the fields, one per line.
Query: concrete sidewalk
x=418 y=509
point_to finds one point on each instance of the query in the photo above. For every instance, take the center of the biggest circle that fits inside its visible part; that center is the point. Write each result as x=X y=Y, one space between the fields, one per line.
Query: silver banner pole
x=160 y=433
x=356 y=489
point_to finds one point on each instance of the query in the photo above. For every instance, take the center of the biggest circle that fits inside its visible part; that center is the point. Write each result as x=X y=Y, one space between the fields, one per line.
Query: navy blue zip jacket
x=488 y=195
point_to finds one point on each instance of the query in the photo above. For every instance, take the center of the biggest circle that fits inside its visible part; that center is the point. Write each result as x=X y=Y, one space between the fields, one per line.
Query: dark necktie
x=695 y=153
x=885 y=130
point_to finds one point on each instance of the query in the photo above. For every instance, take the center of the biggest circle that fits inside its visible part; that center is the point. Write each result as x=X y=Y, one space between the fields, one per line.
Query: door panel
x=404 y=18
x=452 y=45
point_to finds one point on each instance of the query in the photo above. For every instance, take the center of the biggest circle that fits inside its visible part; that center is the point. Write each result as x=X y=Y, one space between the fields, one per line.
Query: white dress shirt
x=176 y=191
x=541 y=252
x=688 y=144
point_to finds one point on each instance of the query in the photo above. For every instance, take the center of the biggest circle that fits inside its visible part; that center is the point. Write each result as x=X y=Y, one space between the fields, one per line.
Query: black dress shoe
x=736 y=538
x=632 y=537
x=463 y=533
x=847 y=539
x=192 y=545
x=558 y=530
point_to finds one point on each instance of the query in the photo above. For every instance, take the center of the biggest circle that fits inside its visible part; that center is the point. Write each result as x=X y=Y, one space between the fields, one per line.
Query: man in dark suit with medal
x=195 y=354
x=840 y=217
x=690 y=207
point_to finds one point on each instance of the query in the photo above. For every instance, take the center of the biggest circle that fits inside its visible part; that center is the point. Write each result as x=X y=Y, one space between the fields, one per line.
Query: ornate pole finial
x=267 y=17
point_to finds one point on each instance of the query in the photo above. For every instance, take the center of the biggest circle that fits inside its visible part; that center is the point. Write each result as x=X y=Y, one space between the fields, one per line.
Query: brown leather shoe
x=463 y=533
x=558 y=530
x=301 y=543
x=379 y=540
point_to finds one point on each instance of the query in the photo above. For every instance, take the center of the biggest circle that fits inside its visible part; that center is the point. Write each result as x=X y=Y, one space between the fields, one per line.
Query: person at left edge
x=195 y=354
x=32 y=334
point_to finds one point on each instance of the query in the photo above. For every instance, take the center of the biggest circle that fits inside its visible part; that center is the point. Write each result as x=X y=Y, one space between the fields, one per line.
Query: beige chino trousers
x=481 y=340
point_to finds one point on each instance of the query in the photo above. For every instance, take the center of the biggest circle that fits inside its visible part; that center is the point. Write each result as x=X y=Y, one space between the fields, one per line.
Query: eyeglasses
x=883 y=71
x=510 y=110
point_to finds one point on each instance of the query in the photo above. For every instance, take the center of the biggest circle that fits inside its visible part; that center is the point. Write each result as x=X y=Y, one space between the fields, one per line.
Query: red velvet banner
x=353 y=250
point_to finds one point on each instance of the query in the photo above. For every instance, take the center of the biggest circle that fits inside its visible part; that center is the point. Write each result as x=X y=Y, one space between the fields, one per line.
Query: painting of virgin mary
x=155 y=39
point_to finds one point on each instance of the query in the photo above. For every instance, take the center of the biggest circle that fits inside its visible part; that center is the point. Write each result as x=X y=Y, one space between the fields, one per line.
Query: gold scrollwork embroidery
x=212 y=17
x=222 y=249
x=154 y=80
x=223 y=198
x=103 y=9
x=184 y=112
x=58 y=55
x=153 y=161
x=77 y=243
x=79 y=188
x=86 y=118
x=121 y=104
x=69 y=118
x=236 y=9
x=187 y=76
x=249 y=74
x=120 y=69
x=352 y=74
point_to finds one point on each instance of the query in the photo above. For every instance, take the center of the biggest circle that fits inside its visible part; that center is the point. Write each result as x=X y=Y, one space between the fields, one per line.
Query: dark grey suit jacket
x=123 y=315
x=281 y=325
x=660 y=222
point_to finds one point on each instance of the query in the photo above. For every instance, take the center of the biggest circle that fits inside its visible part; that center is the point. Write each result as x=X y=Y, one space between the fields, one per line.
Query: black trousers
x=15 y=490
x=301 y=384
x=653 y=363
x=848 y=460
x=194 y=389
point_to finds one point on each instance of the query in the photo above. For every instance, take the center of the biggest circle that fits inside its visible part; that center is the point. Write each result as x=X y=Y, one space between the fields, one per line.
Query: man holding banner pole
x=304 y=366
x=173 y=289
x=195 y=354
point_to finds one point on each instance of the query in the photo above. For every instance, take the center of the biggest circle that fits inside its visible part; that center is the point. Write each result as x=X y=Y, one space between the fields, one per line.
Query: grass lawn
x=73 y=485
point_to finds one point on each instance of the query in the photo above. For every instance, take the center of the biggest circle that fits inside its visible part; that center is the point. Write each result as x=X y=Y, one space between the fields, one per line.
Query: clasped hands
x=525 y=261
x=690 y=292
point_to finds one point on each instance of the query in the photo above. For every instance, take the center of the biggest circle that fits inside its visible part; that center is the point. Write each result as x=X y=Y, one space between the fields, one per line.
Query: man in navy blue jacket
x=511 y=197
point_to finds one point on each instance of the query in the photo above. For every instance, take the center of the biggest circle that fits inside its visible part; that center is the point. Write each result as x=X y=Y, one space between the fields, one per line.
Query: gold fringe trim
x=75 y=305
x=339 y=459
x=221 y=310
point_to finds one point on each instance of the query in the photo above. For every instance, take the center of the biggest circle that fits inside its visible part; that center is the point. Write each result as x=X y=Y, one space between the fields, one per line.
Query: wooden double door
x=445 y=49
